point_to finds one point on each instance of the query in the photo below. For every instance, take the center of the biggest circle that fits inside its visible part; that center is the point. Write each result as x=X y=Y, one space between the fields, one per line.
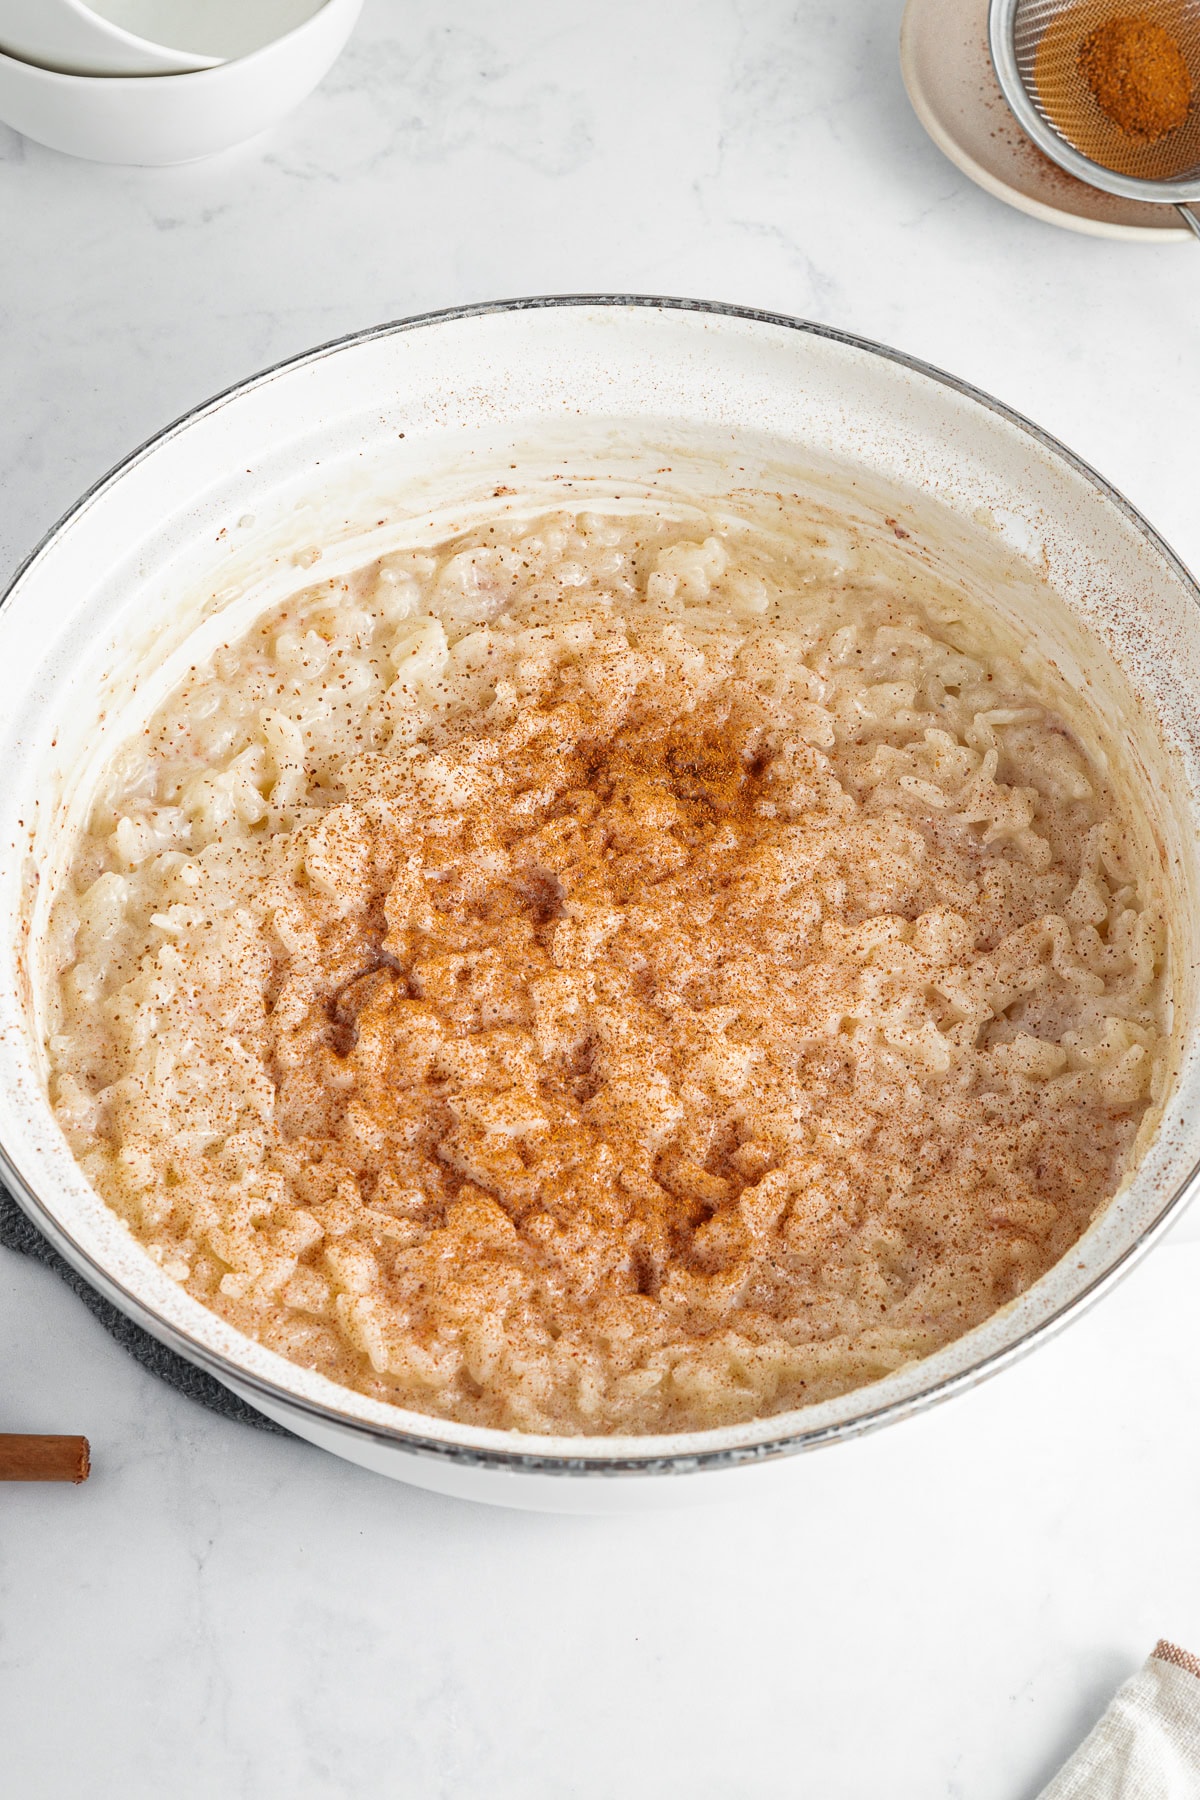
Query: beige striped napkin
x=1147 y=1745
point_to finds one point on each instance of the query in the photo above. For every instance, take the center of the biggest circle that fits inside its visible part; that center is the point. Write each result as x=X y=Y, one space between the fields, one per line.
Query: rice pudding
x=610 y=974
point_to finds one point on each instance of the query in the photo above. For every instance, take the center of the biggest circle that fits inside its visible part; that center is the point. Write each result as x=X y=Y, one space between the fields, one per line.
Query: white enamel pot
x=353 y=447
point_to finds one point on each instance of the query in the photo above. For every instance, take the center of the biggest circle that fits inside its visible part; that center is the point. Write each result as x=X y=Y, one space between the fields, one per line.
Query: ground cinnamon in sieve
x=1138 y=76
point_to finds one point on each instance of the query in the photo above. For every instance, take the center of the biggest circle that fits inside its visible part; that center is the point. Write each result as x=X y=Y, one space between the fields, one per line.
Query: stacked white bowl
x=161 y=81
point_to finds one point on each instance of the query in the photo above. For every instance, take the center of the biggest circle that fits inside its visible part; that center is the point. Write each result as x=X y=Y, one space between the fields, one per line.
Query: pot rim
x=569 y=1462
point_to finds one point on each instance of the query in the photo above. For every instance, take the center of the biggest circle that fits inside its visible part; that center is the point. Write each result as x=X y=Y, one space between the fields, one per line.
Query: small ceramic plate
x=948 y=72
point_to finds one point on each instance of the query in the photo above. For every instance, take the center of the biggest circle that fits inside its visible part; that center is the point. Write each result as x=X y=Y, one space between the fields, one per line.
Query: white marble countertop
x=938 y=1611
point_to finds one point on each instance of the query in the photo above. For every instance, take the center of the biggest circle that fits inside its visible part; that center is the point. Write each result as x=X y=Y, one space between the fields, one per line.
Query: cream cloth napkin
x=1147 y=1745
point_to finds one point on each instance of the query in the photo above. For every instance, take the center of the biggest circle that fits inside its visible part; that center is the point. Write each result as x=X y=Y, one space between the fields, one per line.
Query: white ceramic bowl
x=160 y=119
x=349 y=449
x=216 y=30
x=68 y=36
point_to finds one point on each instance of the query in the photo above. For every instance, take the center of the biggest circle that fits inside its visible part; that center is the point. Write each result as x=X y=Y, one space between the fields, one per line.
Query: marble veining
x=936 y=1613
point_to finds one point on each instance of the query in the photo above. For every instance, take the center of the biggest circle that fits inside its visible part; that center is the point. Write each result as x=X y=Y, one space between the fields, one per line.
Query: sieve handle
x=1189 y=217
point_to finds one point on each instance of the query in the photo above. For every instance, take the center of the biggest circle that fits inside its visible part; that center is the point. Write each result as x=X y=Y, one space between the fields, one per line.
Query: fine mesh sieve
x=1050 y=57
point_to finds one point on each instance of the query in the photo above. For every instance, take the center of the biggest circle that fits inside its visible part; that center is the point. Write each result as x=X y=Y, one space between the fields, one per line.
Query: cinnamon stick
x=24 y=1458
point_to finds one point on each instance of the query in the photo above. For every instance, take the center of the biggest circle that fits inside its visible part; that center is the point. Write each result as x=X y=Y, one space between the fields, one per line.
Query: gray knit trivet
x=17 y=1233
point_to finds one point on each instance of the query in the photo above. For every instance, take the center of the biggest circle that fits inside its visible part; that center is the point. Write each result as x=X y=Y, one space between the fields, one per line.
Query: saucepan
x=326 y=460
